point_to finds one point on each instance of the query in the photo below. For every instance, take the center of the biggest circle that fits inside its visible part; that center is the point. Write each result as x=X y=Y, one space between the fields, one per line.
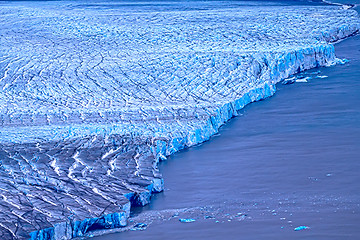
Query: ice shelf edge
x=287 y=64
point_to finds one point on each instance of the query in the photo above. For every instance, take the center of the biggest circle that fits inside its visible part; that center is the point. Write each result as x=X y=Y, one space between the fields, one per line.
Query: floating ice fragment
x=314 y=73
x=321 y=76
x=313 y=179
x=342 y=61
x=301 y=228
x=242 y=216
x=187 y=220
x=139 y=226
x=303 y=80
x=288 y=81
x=329 y=174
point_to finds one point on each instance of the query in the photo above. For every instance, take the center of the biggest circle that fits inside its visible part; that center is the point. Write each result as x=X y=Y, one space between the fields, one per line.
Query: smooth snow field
x=94 y=94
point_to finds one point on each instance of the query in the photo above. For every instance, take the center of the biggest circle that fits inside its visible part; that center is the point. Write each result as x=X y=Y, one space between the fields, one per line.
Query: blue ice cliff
x=93 y=96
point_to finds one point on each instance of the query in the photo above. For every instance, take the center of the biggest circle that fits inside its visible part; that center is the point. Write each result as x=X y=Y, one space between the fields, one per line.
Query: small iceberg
x=342 y=61
x=288 y=81
x=187 y=220
x=139 y=226
x=303 y=80
x=322 y=76
x=241 y=216
x=301 y=228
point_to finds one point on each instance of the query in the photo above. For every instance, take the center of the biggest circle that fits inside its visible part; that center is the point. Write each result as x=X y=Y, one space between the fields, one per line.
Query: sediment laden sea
x=94 y=95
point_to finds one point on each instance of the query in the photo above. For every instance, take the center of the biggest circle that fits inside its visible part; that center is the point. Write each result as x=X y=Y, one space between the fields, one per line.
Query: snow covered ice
x=93 y=95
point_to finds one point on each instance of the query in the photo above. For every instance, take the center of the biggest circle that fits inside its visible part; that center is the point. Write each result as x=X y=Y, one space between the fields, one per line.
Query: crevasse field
x=94 y=94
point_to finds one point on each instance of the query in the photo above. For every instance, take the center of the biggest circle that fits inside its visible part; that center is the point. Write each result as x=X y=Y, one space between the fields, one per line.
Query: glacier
x=95 y=94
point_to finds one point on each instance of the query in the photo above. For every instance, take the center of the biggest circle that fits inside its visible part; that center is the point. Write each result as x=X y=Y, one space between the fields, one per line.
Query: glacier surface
x=95 y=94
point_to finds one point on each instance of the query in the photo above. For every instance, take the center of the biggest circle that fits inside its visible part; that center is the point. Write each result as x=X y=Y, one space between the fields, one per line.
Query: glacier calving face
x=94 y=95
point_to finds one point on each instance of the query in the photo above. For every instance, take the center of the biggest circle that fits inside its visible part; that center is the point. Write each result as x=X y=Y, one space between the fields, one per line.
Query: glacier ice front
x=94 y=95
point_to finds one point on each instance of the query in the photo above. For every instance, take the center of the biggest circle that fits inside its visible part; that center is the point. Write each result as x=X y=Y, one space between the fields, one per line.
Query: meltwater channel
x=289 y=161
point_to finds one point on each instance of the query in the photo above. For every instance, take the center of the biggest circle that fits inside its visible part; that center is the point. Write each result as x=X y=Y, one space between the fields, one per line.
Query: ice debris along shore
x=94 y=95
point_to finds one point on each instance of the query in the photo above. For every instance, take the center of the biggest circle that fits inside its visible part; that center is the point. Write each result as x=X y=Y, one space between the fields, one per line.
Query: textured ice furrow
x=90 y=80
x=68 y=204
x=93 y=99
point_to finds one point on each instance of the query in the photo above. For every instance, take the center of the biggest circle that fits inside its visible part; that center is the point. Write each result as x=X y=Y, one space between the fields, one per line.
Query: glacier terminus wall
x=94 y=94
